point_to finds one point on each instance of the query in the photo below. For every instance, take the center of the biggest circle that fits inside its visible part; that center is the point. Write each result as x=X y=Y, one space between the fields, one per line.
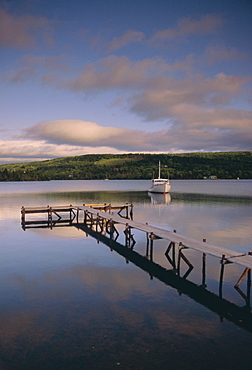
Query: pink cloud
x=127 y=38
x=115 y=72
x=221 y=53
x=19 y=31
x=206 y=25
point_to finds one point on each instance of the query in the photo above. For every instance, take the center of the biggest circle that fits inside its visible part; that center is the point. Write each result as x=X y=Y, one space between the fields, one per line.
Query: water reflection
x=171 y=277
x=241 y=316
x=67 y=302
x=157 y=198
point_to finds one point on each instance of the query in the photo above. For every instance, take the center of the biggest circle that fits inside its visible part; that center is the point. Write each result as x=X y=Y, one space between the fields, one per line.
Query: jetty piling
x=239 y=315
x=101 y=217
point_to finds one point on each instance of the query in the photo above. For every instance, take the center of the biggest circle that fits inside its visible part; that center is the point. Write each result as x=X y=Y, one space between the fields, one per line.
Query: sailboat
x=160 y=185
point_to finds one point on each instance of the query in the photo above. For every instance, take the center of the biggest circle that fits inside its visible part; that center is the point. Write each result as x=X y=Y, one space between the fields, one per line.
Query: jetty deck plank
x=230 y=255
x=100 y=209
x=30 y=210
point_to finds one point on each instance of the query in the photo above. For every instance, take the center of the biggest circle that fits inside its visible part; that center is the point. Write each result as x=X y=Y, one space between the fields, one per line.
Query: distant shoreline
x=186 y=166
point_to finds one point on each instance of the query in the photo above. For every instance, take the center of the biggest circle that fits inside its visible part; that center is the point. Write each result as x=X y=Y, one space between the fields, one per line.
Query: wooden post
x=179 y=258
x=151 y=248
x=131 y=212
x=85 y=217
x=111 y=229
x=127 y=210
x=126 y=233
x=221 y=274
x=147 y=245
x=50 y=217
x=23 y=217
x=204 y=270
x=77 y=218
x=97 y=221
x=249 y=287
x=91 y=220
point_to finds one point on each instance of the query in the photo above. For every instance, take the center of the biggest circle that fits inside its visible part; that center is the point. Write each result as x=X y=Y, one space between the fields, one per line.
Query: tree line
x=222 y=165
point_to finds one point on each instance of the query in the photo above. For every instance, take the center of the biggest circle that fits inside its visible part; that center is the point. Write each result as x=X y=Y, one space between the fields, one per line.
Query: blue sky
x=113 y=76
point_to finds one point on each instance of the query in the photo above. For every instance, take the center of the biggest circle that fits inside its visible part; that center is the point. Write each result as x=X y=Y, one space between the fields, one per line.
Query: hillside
x=224 y=165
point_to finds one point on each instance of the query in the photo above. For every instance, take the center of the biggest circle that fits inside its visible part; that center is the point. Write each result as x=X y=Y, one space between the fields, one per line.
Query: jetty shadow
x=241 y=316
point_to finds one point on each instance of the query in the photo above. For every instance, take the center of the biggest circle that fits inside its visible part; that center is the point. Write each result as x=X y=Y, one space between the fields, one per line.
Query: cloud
x=127 y=38
x=190 y=130
x=212 y=129
x=224 y=83
x=58 y=62
x=149 y=76
x=115 y=72
x=19 y=31
x=197 y=110
x=20 y=75
x=78 y=132
x=34 y=150
x=186 y=27
x=32 y=66
x=218 y=53
x=163 y=96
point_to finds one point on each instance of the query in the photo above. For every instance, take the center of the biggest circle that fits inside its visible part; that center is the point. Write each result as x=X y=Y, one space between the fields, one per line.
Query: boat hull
x=162 y=188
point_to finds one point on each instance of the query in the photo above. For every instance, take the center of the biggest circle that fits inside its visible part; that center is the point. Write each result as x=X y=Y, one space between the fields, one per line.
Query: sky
x=115 y=76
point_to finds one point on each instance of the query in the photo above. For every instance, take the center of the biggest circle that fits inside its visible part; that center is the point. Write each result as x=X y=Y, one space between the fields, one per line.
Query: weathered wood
x=155 y=232
x=90 y=216
x=225 y=309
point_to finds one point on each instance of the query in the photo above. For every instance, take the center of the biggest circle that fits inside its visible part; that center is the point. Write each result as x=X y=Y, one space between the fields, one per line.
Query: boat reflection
x=158 y=198
x=241 y=316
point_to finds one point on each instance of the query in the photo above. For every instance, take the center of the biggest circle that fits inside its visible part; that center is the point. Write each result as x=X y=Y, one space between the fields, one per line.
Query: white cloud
x=77 y=132
x=192 y=130
x=34 y=150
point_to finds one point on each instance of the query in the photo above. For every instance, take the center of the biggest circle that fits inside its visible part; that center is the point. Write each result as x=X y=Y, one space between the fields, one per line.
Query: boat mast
x=159 y=169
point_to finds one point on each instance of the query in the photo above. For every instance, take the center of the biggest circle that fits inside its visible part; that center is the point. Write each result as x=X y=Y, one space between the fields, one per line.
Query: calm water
x=70 y=302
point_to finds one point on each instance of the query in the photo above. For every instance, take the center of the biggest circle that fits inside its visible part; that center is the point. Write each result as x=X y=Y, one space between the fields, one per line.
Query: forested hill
x=224 y=165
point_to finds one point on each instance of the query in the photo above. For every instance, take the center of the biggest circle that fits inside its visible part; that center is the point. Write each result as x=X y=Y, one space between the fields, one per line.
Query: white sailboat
x=160 y=185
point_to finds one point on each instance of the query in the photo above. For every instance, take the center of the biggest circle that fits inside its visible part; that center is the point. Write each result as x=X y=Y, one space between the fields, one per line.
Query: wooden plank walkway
x=183 y=241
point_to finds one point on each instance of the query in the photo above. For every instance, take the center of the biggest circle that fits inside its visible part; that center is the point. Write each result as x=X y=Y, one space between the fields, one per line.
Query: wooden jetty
x=55 y=217
x=91 y=215
x=102 y=218
x=223 y=308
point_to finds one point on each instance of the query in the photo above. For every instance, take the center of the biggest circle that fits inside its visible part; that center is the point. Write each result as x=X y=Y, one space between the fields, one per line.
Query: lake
x=70 y=301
